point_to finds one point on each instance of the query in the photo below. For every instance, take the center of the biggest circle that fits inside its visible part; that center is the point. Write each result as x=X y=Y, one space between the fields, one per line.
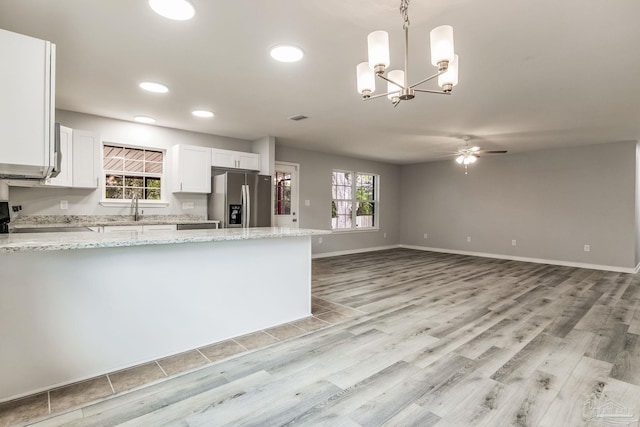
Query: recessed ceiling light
x=179 y=10
x=287 y=53
x=202 y=113
x=154 y=87
x=144 y=119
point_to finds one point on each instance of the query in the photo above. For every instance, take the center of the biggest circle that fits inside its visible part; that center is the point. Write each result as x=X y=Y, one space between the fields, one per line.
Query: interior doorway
x=285 y=204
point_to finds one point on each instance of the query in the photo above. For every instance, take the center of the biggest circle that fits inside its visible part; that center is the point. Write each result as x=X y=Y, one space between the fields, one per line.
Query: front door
x=286 y=195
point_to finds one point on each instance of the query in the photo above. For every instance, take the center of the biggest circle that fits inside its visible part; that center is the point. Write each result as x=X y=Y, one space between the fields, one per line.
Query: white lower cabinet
x=138 y=228
x=159 y=227
x=116 y=228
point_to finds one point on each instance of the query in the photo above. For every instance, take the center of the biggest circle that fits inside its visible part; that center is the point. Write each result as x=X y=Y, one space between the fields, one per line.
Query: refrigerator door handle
x=248 y=206
x=243 y=200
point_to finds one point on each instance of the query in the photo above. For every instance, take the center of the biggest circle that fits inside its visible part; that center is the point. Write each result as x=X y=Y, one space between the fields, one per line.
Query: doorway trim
x=296 y=190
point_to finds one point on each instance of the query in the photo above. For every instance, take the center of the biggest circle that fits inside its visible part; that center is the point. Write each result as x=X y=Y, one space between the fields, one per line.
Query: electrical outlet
x=587 y=248
x=320 y=240
x=188 y=205
x=64 y=204
x=384 y=235
x=425 y=235
x=513 y=242
x=468 y=239
x=307 y=202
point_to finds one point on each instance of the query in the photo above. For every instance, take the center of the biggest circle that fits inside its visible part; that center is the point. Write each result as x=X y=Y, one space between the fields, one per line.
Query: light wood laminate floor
x=441 y=339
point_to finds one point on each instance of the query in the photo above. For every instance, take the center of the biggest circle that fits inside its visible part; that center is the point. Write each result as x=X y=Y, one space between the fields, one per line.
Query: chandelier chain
x=404 y=12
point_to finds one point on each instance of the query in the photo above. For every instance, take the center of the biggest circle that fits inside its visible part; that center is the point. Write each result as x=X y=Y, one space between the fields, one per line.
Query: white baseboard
x=353 y=251
x=527 y=259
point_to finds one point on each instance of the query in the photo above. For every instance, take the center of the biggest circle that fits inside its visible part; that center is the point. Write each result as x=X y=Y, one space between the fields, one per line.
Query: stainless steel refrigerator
x=240 y=200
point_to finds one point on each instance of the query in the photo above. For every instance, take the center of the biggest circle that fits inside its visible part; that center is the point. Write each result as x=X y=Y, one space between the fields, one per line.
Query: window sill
x=354 y=230
x=141 y=203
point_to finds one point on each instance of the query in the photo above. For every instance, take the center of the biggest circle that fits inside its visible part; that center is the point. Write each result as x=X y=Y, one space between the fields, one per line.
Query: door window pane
x=282 y=193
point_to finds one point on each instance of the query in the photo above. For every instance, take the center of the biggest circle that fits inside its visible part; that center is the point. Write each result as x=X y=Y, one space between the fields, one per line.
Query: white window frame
x=141 y=202
x=354 y=203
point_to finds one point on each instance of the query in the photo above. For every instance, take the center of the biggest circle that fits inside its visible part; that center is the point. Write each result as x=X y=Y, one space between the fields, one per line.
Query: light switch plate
x=307 y=202
x=64 y=204
x=188 y=205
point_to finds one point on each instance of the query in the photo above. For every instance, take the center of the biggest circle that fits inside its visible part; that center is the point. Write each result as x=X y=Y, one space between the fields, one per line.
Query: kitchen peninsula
x=77 y=305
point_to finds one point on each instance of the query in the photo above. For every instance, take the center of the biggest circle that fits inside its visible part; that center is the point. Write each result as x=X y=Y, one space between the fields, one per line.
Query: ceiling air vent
x=298 y=117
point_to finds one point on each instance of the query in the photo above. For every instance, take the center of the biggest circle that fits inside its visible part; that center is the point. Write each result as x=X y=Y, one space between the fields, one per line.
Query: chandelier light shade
x=450 y=77
x=441 y=44
x=378 y=43
x=366 y=78
x=395 y=85
x=442 y=56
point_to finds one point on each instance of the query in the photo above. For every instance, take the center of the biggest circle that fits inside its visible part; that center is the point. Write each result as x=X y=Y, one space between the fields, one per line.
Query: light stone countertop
x=58 y=221
x=31 y=242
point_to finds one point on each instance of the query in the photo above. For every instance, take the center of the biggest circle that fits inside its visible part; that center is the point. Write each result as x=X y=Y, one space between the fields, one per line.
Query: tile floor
x=19 y=411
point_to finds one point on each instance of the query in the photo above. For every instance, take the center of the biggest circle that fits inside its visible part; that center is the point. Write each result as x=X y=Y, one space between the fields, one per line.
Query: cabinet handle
x=97 y=182
x=180 y=186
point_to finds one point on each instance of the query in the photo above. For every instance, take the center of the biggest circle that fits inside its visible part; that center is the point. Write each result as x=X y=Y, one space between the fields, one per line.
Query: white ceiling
x=533 y=74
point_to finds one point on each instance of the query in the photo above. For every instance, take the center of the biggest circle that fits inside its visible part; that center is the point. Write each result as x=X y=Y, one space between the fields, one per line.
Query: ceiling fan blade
x=493 y=151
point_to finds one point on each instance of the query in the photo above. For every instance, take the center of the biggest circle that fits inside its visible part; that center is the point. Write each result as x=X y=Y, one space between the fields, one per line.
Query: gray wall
x=551 y=202
x=315 y=186
x=46 y=201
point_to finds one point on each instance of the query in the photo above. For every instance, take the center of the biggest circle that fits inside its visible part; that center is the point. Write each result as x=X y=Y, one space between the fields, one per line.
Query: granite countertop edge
x=111 y=223
x=36 y=242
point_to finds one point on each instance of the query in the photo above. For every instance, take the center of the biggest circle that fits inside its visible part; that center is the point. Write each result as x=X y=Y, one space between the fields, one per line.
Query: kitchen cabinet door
x=249 y=161
x=86 y=159
x=228 y=159
x=223 y=158
x=159 y=227
x=27 y=106
x=65 y=177
x=116 y=228
x=191 y=169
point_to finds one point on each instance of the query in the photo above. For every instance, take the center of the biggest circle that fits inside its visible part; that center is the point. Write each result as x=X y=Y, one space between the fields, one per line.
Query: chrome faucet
x=134 y=207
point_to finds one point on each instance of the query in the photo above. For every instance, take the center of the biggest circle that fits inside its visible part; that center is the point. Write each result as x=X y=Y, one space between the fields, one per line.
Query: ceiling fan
x=468 y=155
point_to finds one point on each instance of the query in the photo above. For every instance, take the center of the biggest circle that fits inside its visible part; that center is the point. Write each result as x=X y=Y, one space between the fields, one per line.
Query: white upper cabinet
x=229 y=159
x=223 y=158
x=65 y=177
x=86 y=159
x=191 y=169
x=80 y=167
x=27 y=106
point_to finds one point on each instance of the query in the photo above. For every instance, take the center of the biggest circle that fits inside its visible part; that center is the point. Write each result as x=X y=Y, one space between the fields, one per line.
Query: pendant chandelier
x=398 y=87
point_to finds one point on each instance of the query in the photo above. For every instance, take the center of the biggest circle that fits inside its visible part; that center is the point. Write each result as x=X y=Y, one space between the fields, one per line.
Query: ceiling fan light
x=460 y=159
x=366 y=78
x=450 y=77
x=475 y=148
x=394 y=90
x=442 y=44
x=472 y=159
x=378 y=44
